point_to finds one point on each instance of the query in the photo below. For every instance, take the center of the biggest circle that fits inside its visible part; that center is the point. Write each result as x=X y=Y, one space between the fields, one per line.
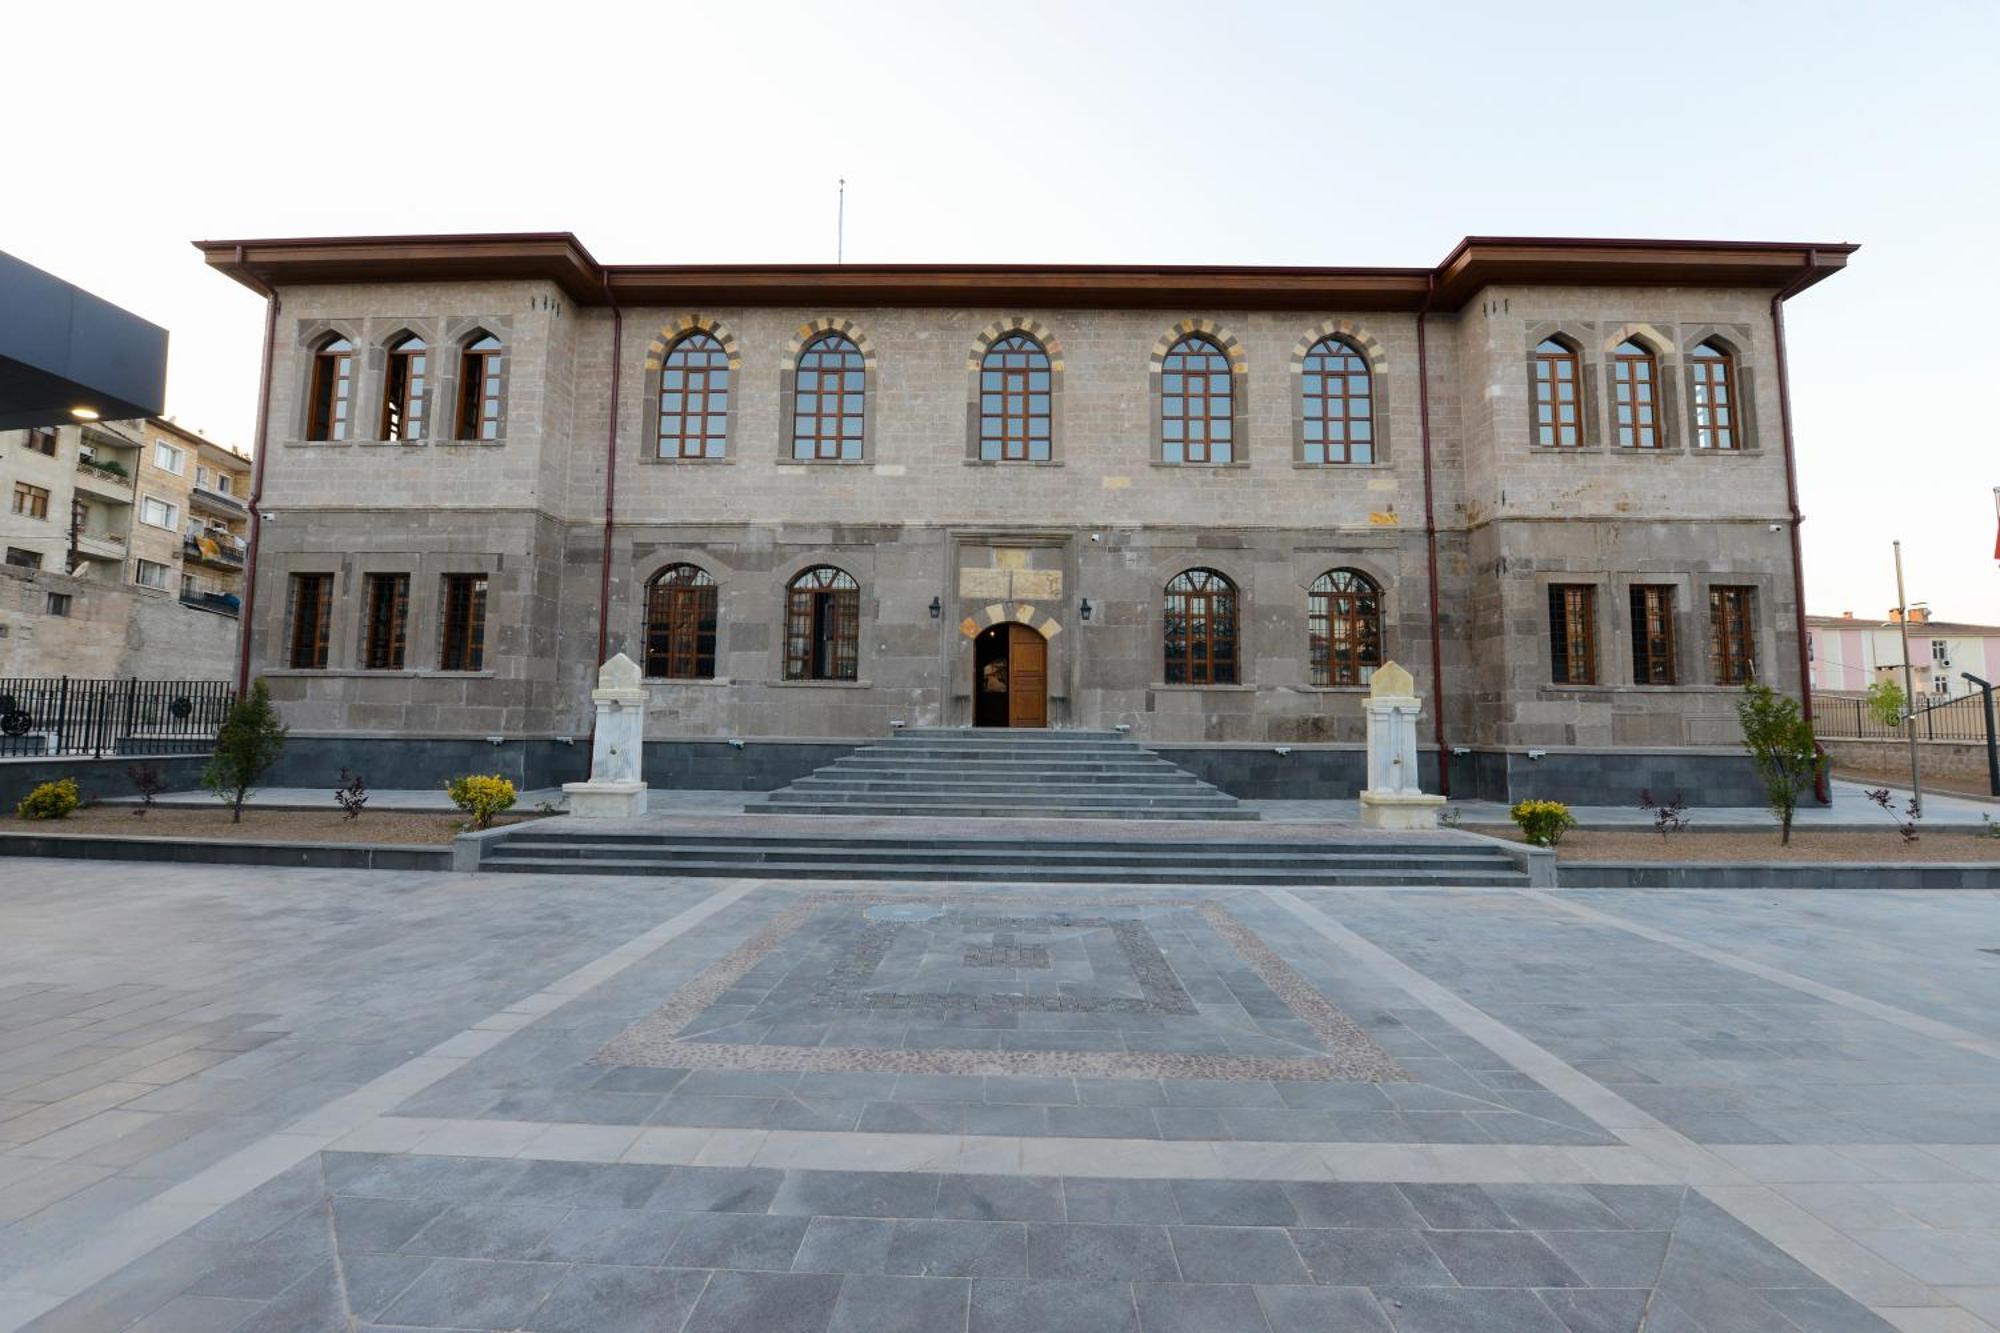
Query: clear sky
x=1166 y=131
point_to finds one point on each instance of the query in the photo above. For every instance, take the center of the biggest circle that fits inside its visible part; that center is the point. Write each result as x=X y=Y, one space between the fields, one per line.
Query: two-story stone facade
x=1552 y=478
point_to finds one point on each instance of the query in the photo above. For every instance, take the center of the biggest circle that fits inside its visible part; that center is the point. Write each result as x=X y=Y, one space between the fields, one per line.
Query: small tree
x=1782 y=749
x=1886 y=702
x=250 y=741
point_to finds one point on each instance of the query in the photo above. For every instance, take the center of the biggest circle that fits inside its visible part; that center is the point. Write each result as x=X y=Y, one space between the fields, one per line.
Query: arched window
x=1200 y=629
x=829 y=400
x=1014 y=401
x=479 y=379
x=403 y=390
x=1344 y=622
x=694 y=398
x=1635 y=378
x=680 y=624
x=330 y=406
x=1557 y=386
x=1197 y=403
x=1713 y=371
x=822 y=625
x=1338 y=404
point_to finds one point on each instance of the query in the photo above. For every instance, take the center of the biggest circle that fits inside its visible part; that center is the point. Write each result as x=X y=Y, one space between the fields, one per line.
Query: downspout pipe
x=1431 y=538
x=610 y=481
x=1778 y=300
x=246 y=624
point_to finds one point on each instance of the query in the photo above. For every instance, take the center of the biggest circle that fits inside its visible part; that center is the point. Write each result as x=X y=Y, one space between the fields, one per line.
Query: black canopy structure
x=66 y=355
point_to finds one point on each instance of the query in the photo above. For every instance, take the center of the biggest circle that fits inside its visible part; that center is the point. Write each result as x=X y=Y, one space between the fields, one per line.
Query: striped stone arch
x=999 y=329
x=674 y=331
x=812 y=329
x=1208 y=328
x=998 y=613
x=1347 y=331
x=1663 y=344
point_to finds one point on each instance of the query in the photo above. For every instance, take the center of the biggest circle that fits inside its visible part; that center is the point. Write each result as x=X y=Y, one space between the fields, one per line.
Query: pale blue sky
x=1168 y=131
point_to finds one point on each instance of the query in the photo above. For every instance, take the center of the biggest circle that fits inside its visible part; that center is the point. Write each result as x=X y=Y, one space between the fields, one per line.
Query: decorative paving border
x=1352 y=1057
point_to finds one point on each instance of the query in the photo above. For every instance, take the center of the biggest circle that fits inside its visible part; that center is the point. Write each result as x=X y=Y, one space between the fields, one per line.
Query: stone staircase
x=1004 y=773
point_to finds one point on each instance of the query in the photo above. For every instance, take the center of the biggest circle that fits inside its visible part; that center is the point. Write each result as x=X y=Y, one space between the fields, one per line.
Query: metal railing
x=65 y=715
x=1844 y=717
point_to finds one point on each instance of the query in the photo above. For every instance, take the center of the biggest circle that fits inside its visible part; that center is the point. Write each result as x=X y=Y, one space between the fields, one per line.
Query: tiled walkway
x=300 y=1100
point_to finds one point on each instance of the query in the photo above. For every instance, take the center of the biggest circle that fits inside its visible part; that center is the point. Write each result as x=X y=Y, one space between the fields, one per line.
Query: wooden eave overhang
x=1476 y=263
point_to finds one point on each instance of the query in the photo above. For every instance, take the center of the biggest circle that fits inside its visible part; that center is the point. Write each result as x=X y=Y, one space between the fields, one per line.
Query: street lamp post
x=1909 y=687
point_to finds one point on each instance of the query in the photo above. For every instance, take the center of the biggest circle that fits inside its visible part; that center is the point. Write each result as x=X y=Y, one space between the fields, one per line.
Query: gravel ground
x=1807 y=845
x=257 y=826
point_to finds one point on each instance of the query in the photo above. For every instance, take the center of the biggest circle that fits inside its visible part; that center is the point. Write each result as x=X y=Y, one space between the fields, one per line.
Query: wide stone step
x=1011 y=735
x=1022 y=799
x=877 y=757
x=1207 y=845
x=1029 y=855
x=1088 y=874
x=984 y=811
x=970 y=784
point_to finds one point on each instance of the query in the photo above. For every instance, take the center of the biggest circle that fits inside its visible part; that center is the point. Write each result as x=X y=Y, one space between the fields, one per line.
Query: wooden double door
x=1010 y=682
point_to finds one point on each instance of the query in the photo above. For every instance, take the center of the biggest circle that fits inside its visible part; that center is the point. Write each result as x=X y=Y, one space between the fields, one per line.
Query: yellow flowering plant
x=1543 y=823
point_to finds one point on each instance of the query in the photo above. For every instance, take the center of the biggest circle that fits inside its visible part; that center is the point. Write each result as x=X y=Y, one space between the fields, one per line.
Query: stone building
x=1552 y=478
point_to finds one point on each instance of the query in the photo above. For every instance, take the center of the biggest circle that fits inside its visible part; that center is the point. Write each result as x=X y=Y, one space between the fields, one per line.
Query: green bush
x=1543 y=823
x=51 y=800
x=249 y=742
x=482 y=796
x=1782 y=750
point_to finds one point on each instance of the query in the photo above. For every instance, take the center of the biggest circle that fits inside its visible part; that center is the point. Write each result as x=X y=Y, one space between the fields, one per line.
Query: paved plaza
x=294 y=1100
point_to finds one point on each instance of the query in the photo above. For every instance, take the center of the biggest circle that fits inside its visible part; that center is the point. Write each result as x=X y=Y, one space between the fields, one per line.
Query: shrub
x=1885 y=702
x=1782 y=749
x=1543 y=823
x=1668 y=816
x=51 y=800
x=352 y=794
x=1906 y=822
x=250 y=741
x=481 y=796
x=147 y=780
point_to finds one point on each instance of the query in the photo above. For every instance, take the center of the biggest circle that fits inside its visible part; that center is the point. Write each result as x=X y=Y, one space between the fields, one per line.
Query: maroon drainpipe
x=246 y=616
x=1792 y=497
x=610 y=486
x=1431 y=541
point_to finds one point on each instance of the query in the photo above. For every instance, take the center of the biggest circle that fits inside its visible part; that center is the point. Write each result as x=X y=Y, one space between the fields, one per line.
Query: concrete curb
x=186 y=851
x=468 y=847
x=1538 y=863
x=1779 y=875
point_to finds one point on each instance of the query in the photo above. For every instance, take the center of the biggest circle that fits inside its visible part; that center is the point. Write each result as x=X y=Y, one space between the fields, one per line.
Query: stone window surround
x=424 y=625
x=1171 y=563
x=1385 y=607
x=445 y=340
x=1668 y=416
x=1377 y=356
x=975 y=362
x=1580 y=336
x=788 y=379
x=1239 y=392
x=1735 y=340
x=1613 y=629
x=858 y=563
x=663 y=342
x=658 y=561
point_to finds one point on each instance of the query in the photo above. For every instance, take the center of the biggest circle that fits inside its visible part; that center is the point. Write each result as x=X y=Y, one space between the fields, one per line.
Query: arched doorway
x=1010 y=677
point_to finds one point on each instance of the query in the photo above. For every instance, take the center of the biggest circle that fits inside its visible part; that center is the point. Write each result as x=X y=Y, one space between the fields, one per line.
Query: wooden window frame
x=406 y=390
x=1732 y=634
x=1546 y=404
x=1573 y=633
x=1655 y=659
x=1344 y=628
x=823 y=625
x=810 y=430
x=1201 y=629
x=1712 y=368
x=385 y=632
x=1215 y=427
x=31 y=501
x=462 y=621
x=682 y=604
x=42 y=440
x=1351 y=414
x=330 y=401
x=308 y=620
x=698 y=433
x=1016 y=419
x=482 y=388
x=1636 y=402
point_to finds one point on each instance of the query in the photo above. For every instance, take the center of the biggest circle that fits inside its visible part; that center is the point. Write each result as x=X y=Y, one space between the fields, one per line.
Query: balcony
x=217 y=550
x=221 y=603
x=103 y=482
x=100 y=546
x=216 y=502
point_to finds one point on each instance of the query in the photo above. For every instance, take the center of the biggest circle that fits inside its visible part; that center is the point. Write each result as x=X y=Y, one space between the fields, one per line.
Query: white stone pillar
x=617 y=786
x=1393 y=798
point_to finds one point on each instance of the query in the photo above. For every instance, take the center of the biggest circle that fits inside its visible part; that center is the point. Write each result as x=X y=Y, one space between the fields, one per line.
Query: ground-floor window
x=462 y=643
x=1573 y=633
x=1732 y=635
x=823 y=626
x=680 y=624
x=1653 y=634
x=388 y=598
x=1200 y=629
x=1344 y=628
x=309 y=620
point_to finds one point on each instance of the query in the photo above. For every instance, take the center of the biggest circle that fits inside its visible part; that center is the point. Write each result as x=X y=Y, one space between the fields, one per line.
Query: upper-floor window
x=1200 y=629
x=694 y=398
x=829 y=400
x=462 y=637
x=1338 y=402
x=479 y=381
x=1653 y=657
x=680 y=624
x=1197 y=403
x=224 y=483
x=159 y=513
x=1558 y=385
x=1712 y=371
x=31 y=501
x=403 y=390
x=308 y=620
x=1573 y=633
x=168 y=458
x=823 y=625
x=24 y=558
x=42 y=439
x=153 y=574
x=1015 y=397
x=1635 y=380
x=330 y=403
x=1344 y=625
x=1732 y=635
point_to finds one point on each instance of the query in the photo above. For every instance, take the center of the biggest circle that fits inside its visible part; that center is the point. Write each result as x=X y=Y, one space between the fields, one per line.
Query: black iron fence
x=67 y=715
x=1844 y=717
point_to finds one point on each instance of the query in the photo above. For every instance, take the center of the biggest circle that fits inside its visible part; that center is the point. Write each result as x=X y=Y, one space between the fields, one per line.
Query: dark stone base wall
x=97 y=779
x=1605 y=777
x=385 y=762
x=720 y=766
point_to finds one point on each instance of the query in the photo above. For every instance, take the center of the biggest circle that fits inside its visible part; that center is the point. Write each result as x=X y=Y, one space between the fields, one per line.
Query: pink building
x=1849 y=653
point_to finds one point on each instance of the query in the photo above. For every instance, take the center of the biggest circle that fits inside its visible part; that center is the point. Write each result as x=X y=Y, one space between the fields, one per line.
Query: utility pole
x=76 y=512
x=1909 y=687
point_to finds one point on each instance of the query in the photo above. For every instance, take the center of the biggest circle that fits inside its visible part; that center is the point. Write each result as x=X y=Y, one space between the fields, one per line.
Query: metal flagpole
x=1909 y=688
x=840 y=226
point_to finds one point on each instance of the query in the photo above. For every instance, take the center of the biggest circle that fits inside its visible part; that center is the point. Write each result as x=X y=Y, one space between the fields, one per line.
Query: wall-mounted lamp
x=1538 y=754
x=937 y=609
x=1084 y=610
